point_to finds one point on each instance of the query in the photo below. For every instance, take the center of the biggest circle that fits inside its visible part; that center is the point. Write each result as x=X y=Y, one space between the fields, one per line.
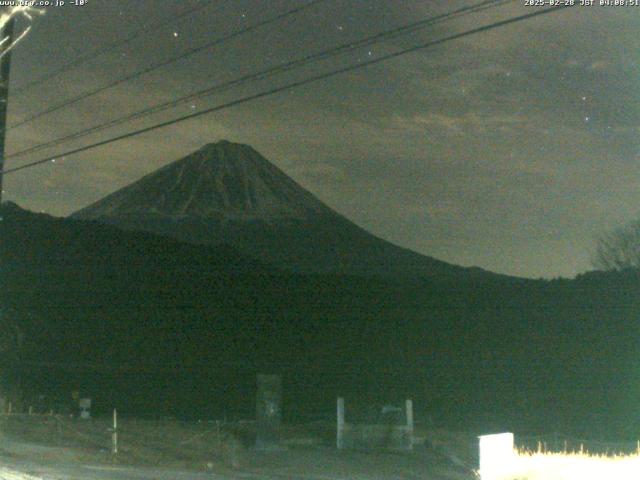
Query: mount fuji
x=228 y=193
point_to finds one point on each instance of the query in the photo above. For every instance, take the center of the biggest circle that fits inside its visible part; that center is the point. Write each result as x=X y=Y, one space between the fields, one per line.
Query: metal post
x=5 y=68
x=340 y=425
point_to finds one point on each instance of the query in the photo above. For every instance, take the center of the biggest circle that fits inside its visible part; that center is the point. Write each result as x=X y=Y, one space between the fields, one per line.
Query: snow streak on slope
x=223 y=181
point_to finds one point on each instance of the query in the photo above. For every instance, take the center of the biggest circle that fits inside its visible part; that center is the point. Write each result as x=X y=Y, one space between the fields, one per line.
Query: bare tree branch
x=619 y=249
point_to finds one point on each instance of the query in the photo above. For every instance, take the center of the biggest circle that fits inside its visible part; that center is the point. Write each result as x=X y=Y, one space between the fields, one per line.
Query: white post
x=114 y=436
x=409 y=410
x=340 y=425
x=497 y=456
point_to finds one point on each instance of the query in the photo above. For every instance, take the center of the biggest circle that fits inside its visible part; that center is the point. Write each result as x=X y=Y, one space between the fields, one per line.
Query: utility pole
x=5 y=64
x=5 y=68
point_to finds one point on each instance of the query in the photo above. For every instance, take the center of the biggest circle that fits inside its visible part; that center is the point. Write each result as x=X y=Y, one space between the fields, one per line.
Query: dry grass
x=165 y=443
x=571 y=466
x=308 y=450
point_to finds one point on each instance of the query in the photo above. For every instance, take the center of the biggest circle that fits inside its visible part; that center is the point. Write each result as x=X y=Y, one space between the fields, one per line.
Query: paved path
x=14 y=470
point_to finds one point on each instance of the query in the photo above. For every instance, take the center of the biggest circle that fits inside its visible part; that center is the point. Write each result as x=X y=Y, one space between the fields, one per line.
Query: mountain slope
x=222 y=181
x=229 y=193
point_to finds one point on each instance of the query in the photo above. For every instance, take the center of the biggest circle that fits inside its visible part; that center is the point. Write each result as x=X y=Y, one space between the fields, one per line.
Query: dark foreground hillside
x=157 y=327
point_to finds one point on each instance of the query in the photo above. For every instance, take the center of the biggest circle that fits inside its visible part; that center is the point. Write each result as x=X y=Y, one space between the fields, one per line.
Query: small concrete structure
x=268 y=412
x=85 y=408
x=387 y=436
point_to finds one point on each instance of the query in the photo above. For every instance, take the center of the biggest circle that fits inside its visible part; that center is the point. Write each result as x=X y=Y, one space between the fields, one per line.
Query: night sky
x=511 y=150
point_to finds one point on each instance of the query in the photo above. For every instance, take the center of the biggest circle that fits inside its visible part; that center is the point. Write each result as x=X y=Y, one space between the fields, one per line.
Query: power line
x=290 y=86
x=110 y=47
x=269 y=72
x=157 y=65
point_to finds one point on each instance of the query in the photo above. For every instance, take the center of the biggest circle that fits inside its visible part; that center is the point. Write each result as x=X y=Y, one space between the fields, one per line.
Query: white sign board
x=497 y=456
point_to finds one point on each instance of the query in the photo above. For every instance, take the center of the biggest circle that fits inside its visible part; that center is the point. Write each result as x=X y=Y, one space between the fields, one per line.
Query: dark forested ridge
x=153 y=325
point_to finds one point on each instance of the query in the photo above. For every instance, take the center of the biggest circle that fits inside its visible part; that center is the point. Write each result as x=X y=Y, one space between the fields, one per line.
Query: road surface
x=16 y=470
